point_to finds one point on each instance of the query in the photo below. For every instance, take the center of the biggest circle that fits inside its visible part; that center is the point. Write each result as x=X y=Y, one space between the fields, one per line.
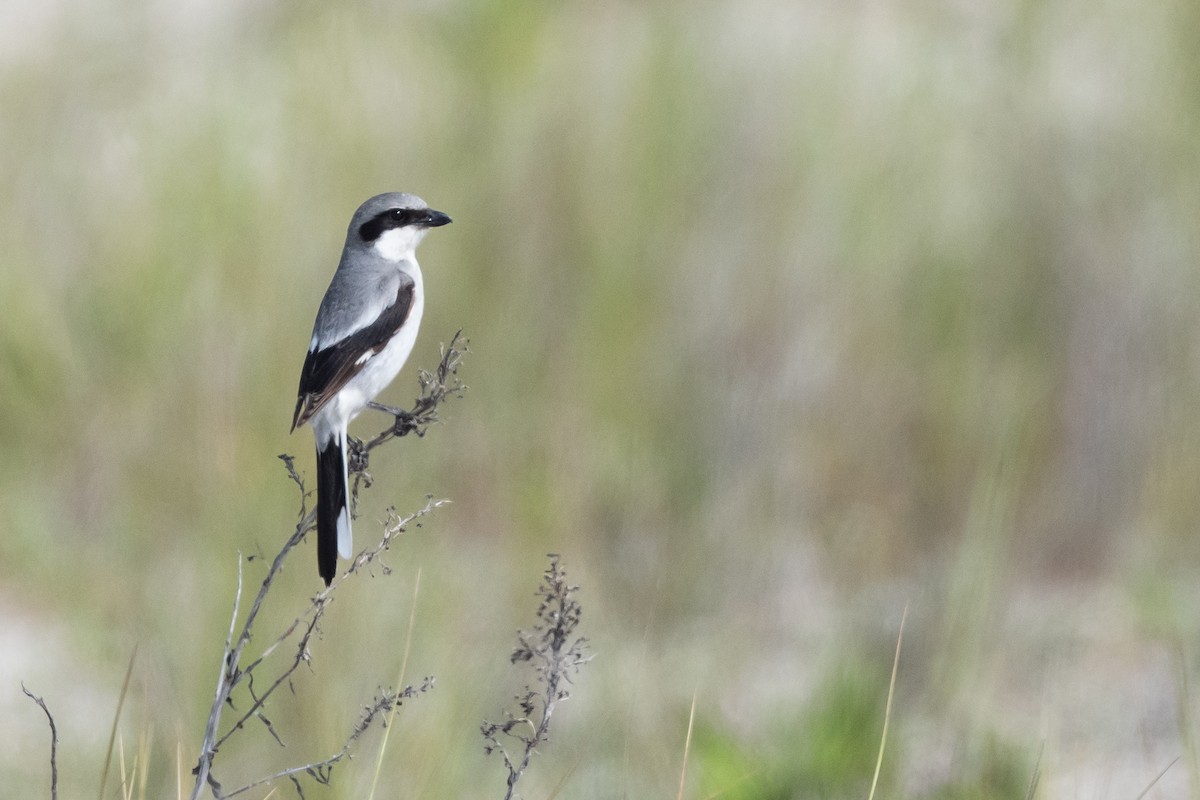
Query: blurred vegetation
x=783 y=315
x=827 y=750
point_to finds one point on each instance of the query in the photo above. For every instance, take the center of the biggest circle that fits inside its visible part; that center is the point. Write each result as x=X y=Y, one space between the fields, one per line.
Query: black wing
x=327 y=370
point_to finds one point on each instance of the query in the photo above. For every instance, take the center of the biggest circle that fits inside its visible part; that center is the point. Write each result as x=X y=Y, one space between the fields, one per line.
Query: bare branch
x=53 y=742
x=232 y=675
x=321 y=771
x=435 y=388
x=260 y=700
x=310 y=619
x=554 y=661
x=208 y=747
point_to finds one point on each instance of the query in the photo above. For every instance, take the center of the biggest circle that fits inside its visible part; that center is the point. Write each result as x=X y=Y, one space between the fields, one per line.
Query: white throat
x=398 y=244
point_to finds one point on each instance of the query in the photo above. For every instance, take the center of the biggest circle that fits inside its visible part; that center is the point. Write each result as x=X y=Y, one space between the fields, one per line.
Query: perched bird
x=365 y=329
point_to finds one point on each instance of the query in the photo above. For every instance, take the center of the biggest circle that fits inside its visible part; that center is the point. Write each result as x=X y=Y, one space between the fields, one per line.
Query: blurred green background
x=784 y=316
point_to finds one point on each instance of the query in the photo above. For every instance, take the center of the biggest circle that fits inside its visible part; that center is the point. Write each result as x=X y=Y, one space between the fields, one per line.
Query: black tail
x=331 y=504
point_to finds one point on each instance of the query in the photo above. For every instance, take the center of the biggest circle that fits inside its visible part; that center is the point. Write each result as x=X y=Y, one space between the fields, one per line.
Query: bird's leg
x=395 y=412
x=405 y=421
x=357 y=458
x=356 y=465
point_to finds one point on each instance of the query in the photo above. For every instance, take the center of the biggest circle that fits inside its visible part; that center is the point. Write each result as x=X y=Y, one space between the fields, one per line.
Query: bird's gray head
x=393 y=224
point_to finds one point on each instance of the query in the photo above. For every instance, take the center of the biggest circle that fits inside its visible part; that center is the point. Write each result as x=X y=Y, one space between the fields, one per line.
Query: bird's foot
x=359 y=455
x=405 y=423
x=393 y=410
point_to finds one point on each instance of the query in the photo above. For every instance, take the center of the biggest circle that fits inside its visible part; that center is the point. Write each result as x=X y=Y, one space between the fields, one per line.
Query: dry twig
x=556 y=654
x=435 y=387
x=53 y=742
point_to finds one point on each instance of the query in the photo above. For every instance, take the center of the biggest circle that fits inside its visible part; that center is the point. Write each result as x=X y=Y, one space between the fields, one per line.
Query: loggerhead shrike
x=365 y=329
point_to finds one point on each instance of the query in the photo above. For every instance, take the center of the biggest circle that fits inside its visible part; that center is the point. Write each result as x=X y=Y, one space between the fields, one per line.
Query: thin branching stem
x=53 y=741
x=435 y=388
x=555 y=653
x=320 y=770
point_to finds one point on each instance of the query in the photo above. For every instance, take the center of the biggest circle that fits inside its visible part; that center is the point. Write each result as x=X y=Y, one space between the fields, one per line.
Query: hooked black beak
x=435 y=219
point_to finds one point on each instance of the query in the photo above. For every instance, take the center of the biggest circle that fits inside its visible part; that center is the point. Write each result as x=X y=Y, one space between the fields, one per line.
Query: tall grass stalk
x=887 y=714
x=391 y=719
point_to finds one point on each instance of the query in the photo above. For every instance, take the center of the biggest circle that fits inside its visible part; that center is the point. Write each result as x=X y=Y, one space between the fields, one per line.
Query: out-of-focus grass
x=782 y=315
x=819 y=752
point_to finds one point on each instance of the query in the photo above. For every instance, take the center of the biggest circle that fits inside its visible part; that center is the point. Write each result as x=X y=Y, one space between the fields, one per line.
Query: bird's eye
x=397 y=214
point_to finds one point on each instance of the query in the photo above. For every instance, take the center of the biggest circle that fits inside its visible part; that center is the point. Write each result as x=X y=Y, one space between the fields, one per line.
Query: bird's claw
x=357 y=458
x=406 y=421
